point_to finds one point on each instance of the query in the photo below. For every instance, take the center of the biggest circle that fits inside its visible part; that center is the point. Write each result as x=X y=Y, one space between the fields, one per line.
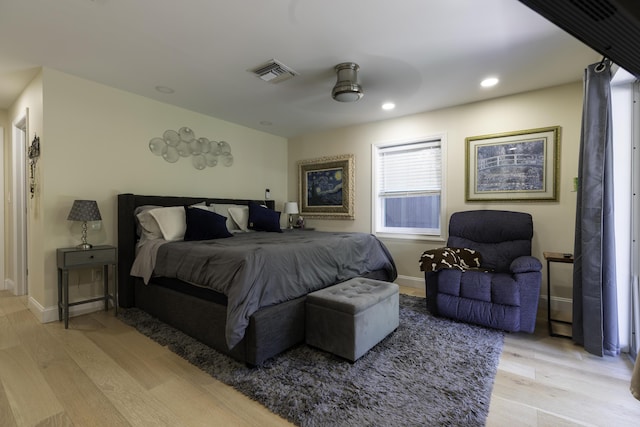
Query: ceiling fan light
x=347 y=88
x=347 y=92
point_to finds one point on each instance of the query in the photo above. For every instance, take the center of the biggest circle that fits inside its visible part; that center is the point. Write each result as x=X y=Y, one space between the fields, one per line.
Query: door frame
x=3 y=284
x=20 y=130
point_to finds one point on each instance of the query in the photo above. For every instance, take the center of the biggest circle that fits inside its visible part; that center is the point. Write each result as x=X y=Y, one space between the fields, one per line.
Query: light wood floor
x=102 y=372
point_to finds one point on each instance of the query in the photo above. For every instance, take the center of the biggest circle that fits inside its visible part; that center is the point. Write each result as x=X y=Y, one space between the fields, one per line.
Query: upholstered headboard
x=127 y=235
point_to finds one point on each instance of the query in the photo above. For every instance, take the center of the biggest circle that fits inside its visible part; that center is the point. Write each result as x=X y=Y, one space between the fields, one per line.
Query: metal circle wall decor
x=183 y=143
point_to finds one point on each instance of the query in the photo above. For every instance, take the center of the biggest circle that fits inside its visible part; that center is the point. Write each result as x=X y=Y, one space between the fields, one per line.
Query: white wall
x=4 y=140
x=2 y=120
x=95 y=145
x=31 y=100
x=553 y=221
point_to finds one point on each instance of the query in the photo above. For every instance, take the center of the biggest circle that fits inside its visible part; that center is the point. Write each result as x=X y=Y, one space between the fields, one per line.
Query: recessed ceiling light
x=388 y=106
x=489 y=82
x=164 y=89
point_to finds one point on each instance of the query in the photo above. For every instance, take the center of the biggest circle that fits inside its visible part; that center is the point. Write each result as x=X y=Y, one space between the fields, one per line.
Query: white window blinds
x=409 y=169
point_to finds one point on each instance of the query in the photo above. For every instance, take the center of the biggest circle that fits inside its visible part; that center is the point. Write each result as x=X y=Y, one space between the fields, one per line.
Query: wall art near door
x=326 y=187
x=513 y=166
x=34 y=155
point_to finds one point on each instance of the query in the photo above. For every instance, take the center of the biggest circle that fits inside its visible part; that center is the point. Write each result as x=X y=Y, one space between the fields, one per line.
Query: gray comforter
x=260 y=269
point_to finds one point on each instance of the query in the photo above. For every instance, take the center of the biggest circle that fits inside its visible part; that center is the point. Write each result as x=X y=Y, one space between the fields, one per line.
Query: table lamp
x=291 y=208
x=84 y=210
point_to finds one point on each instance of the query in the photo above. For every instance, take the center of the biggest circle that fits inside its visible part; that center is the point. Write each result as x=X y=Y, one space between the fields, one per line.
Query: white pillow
x=171 y=221
x=240 y=216
x=223 y=209
x=146 y=226
x=149 y=229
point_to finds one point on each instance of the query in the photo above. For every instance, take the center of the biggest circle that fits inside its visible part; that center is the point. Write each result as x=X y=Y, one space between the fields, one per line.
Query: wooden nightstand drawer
x=75 y=258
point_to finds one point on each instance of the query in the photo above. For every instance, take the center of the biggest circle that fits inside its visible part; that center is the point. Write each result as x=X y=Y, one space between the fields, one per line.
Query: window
x=408 y=187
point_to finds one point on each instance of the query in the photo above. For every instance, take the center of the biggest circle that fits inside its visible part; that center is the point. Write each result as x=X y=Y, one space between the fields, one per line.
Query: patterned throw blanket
x=441 y=258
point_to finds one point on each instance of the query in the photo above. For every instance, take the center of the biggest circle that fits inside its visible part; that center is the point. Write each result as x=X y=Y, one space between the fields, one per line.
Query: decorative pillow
x=171 y=221
x=202 y=224
x=240 y=216
x=223 y=209
x=263 y=219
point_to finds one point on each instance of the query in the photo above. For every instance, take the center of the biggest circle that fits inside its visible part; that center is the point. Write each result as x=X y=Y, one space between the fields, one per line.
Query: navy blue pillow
x=263 y=219
x=205 y=225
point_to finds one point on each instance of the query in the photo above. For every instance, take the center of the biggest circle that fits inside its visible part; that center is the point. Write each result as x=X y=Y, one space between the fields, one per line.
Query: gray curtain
x=595 y=306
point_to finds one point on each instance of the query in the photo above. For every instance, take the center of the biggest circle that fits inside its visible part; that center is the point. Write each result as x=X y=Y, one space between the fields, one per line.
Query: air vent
x=274 y=72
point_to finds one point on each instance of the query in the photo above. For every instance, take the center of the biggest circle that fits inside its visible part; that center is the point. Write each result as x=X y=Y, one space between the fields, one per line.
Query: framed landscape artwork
x=513 y=166
x=326 y=187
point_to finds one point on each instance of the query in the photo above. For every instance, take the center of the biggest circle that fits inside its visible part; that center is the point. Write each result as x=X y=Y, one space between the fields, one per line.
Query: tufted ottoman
x=351 y=317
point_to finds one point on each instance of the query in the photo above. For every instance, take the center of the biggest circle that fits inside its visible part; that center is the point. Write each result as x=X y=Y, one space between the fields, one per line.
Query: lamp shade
x=291 y=207
x=84 y=210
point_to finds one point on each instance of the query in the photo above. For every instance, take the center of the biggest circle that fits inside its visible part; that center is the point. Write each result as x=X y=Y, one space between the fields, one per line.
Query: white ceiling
x=420 y=54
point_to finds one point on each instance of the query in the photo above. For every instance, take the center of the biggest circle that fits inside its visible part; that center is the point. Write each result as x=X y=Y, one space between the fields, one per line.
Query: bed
x=259 y=312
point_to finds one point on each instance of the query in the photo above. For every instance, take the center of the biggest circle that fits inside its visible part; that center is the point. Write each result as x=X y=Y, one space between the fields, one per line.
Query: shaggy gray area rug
x=430 y=371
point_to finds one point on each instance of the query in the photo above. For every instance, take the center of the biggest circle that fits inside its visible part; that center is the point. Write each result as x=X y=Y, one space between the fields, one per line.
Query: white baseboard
x=50 y=314
x=410 y=281
x=37 y=309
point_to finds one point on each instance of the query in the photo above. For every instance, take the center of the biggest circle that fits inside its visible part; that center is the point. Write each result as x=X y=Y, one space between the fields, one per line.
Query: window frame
x=376 y=217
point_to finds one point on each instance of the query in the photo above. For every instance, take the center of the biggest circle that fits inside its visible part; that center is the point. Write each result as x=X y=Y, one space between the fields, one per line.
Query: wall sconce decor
x=34 y=154
x=183 y=143
x=84 y=210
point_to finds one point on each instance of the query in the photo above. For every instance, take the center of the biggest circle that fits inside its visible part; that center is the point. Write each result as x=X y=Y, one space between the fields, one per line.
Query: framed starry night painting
x=326 y=187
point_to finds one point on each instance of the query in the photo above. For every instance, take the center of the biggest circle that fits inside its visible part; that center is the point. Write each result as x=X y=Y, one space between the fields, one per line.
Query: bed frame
x=202 y=313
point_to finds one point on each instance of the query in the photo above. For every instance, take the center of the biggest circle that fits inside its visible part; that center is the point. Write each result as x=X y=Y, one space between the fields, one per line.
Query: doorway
x=3 y=284
x=19 y=200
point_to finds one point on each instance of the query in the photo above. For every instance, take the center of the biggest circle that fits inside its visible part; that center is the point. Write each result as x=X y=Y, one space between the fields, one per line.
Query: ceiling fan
x=347 y=88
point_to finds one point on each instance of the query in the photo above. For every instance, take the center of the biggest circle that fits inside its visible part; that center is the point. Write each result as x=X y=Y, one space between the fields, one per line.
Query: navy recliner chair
x=503 y=291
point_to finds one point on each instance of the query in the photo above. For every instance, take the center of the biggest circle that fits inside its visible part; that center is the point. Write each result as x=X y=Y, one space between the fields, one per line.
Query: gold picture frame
x=326 y=187
x=513 y=166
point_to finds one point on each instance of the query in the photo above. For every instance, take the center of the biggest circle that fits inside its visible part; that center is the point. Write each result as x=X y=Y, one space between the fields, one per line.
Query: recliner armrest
x=525 y=264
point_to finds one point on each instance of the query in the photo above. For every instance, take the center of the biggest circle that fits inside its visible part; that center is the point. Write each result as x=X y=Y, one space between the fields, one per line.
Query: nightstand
x=74 y=258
